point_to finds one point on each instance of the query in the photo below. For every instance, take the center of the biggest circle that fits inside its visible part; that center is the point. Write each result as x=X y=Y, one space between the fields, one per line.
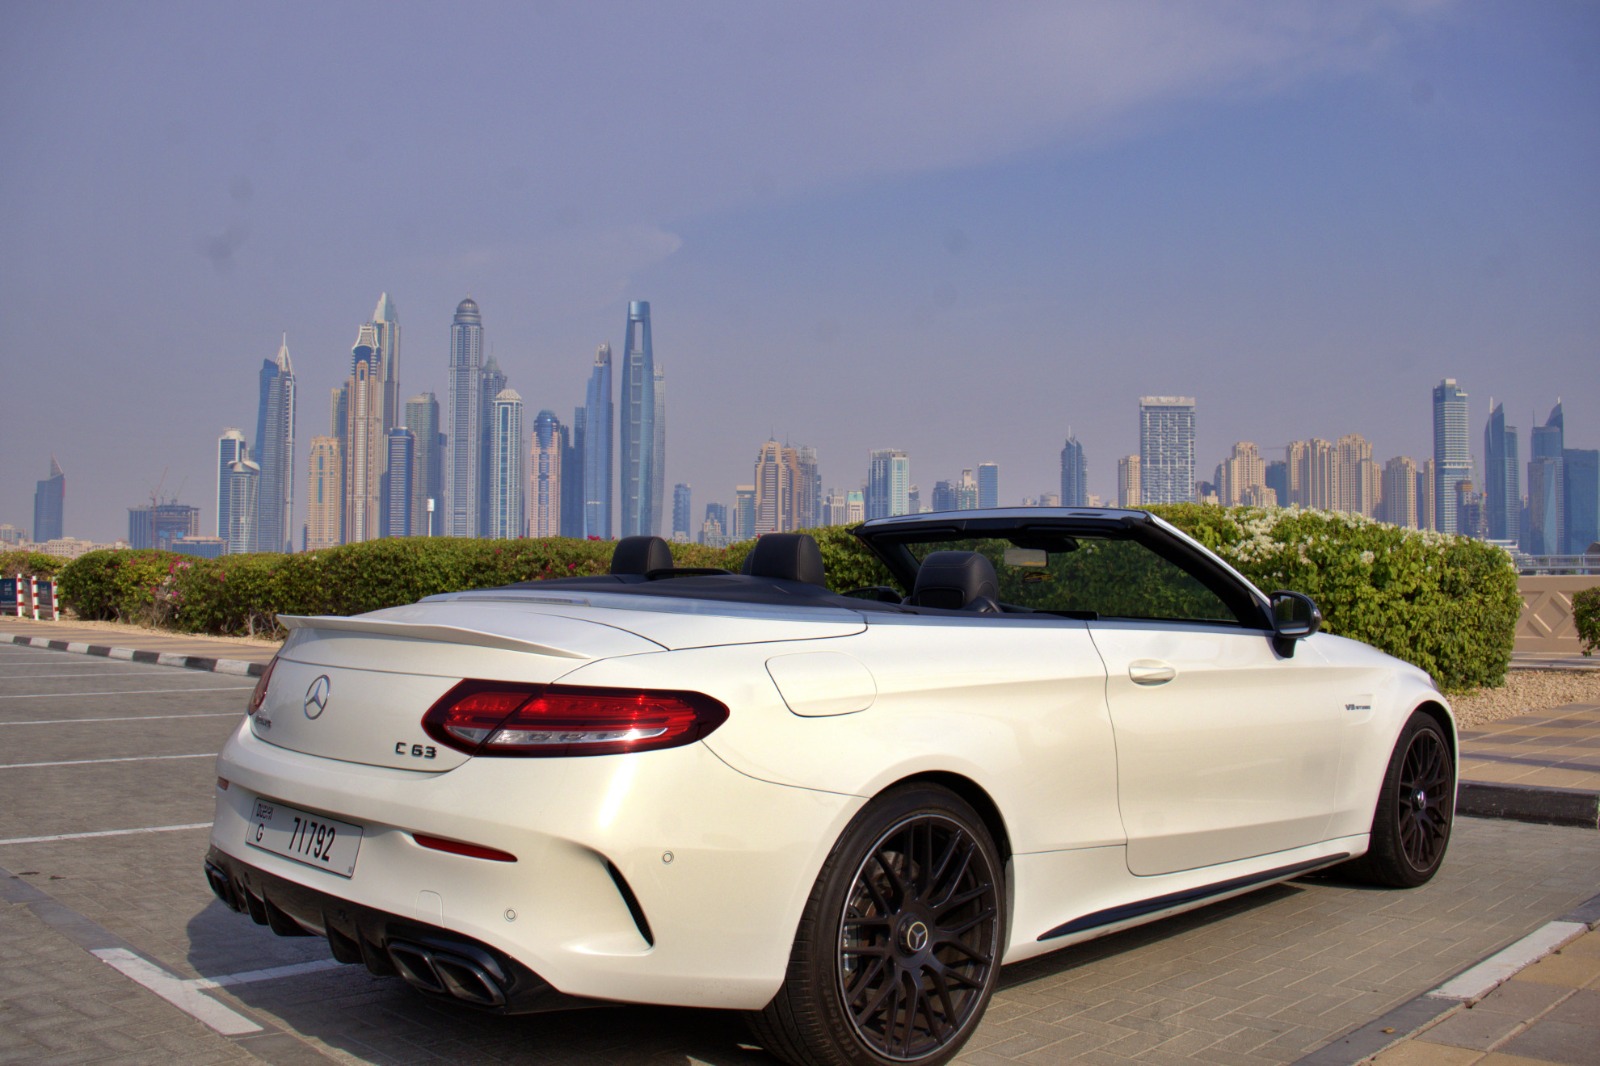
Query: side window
x=1112 y=579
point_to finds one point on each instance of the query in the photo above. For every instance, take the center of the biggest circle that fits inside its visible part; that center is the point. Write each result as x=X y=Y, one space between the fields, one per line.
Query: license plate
x=312 y=839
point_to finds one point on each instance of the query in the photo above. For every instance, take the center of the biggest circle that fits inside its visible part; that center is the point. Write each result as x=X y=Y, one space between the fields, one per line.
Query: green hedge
x=1586 y=616
x=29 y=564
x=1447 y=604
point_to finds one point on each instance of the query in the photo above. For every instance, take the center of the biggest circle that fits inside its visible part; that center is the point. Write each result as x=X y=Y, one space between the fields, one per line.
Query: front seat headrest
x=954 y=580
x=788 y=556
x=640 y=555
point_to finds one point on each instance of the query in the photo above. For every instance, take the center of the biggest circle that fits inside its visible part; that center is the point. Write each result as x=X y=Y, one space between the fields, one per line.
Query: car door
x=1225 y=750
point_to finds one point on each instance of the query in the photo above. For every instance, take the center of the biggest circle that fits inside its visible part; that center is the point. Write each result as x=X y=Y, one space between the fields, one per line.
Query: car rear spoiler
x=420 y=631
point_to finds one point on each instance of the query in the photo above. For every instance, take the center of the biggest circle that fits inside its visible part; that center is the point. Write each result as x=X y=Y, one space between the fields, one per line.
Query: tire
x=898 y=950
x=1416 y=808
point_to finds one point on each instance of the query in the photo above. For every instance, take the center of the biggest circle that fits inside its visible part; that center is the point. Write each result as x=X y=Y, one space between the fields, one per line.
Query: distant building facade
x=324 y=493
x=506 y=494
x=466 y=421
x=1074 y=474
x=1166 y=449
x=598 y=437
x=158 y=525
x=888 y=491
x=274 y=451
x=427 y=466
x=545 y=473
x=50 y=505
x=1452 y=451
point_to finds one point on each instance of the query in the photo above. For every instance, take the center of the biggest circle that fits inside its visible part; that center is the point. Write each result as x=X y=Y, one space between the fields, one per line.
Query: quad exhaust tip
x=452 y=971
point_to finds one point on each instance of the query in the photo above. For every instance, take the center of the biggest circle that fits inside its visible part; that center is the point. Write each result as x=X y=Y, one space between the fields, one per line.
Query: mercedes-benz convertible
x=841 y=812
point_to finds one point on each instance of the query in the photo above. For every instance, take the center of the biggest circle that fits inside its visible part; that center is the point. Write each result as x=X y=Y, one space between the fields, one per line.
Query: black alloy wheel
x=1416 y=807
x=1426 y=793
x=900 y=947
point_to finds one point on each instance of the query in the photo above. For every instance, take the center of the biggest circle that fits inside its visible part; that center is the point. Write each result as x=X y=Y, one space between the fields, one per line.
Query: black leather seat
x=788 y=557
x=957 y=581
x=640 y=555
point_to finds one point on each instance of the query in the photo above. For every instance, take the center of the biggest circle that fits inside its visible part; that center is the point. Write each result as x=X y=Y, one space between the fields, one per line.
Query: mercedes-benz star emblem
x=916 y=936
x=317 y=696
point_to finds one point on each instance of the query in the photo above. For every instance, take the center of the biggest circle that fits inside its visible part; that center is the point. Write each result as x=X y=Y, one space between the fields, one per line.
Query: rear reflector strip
x=456 y=847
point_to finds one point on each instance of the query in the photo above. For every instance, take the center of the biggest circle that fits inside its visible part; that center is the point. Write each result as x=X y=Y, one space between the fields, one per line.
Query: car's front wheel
x=1416 y=808
x=899 y=947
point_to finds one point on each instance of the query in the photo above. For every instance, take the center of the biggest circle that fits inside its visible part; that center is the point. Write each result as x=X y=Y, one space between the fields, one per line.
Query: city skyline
x=1305 y=218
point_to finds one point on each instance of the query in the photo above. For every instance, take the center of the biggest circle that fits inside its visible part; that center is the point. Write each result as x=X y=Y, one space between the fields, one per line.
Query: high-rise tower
x=776 y=473
x=989 y=485
x=466 y=421
x=427 y=465
x=544 y=490
x=49 y=504
x=1166 y=449
x=365 y=455
x=506 y=493
x=231 y=448
x=1074 y=474
x=324 y=493
x=1452 y=451
x=1502 y=478
x=275 y=454
x=1546 y=533
x=386 y=324
x=491 y=383
x=637 y=427
x=599 y=412
x=888 y=483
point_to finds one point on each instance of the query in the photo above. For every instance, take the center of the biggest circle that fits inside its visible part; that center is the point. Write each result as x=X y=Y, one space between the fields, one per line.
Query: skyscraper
x=1502 y=478
x=545 y=487
x=1400 y=492
x=324 y=493
x=1129 y=491
x=1074 y=474
x=807 y=488
x=744 y=512
x=1166 y=449
x=1353 y=477
x=988 y=485
x=466 y=421
x=399 y=478
x=241 y=484
x=1580 y=481
x=231 y=448
x=572 y=479
x=490 y=384
x=386 y=324
x=1546 y=534
x=427 y=464
x=637 y=427
x=1241 y=479
x=505 y=484
x=1452 y=451
x=275 y=453
x=363 y=446
x=888 y=483
x=599 y=412
x=49 y=504
x=776 y=473
x=682 y=506
x=658 y=453
x=966 y=489
x=1313 y=474
x=158 y=525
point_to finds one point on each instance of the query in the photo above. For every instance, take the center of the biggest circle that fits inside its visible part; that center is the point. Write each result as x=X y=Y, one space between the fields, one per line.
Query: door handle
x=1151 y=672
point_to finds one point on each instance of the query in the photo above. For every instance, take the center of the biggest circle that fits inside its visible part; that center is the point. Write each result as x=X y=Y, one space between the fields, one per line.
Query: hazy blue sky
x=961 y=229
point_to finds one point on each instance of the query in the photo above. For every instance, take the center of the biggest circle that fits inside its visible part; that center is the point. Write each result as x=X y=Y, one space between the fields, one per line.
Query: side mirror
x=1294 y=617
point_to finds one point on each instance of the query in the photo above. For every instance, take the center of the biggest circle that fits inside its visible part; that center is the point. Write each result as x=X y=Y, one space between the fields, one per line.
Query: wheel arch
x=1446 y=722
x=975 y=795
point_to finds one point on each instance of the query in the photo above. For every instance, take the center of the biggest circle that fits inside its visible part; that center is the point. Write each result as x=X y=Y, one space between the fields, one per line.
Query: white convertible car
x=841 y=813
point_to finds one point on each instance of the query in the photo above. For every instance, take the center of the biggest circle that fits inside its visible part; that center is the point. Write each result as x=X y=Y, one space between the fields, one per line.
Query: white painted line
x=125 y=692
x=184 y=995
x=106 y=833
x=1499 y=968
x=128 y=718
x=91 y=762
x=249 y=976
x=79 y=673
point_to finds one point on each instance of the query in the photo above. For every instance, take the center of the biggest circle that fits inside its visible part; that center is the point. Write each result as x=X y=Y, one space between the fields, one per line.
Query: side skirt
x=1143 y=908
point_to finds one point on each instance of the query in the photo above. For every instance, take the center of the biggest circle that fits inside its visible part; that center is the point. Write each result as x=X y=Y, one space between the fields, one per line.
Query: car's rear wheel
x=899 y=947
x=1416 y=808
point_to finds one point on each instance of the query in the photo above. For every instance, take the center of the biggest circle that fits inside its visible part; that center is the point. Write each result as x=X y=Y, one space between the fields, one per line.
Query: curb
x=1546 y=805
x=240 y=667
x=1460 y=992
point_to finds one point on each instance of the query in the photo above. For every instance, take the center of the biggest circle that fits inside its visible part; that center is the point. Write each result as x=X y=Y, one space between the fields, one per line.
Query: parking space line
x=124 y=692
x=90 y=762
x=185 y=995
x=106 y=833
x=1480 y=980
x=251 y=976
x=127 y=718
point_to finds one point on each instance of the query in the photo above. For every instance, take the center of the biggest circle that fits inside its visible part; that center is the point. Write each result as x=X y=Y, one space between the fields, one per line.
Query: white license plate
x=312 y=839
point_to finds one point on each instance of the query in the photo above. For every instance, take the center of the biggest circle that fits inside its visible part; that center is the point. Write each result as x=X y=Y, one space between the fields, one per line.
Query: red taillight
x=457 y=847
x=495 y=718
x=259 y=696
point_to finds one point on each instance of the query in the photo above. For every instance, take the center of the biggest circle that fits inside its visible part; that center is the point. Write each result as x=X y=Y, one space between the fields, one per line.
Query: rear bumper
x=435 y=961
x=665 y=878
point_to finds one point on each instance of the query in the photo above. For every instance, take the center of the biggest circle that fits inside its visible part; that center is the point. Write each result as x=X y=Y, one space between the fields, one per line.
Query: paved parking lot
x=112 y=949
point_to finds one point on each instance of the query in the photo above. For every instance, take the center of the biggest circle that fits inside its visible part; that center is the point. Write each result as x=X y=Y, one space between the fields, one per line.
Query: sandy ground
x=1525 y=691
